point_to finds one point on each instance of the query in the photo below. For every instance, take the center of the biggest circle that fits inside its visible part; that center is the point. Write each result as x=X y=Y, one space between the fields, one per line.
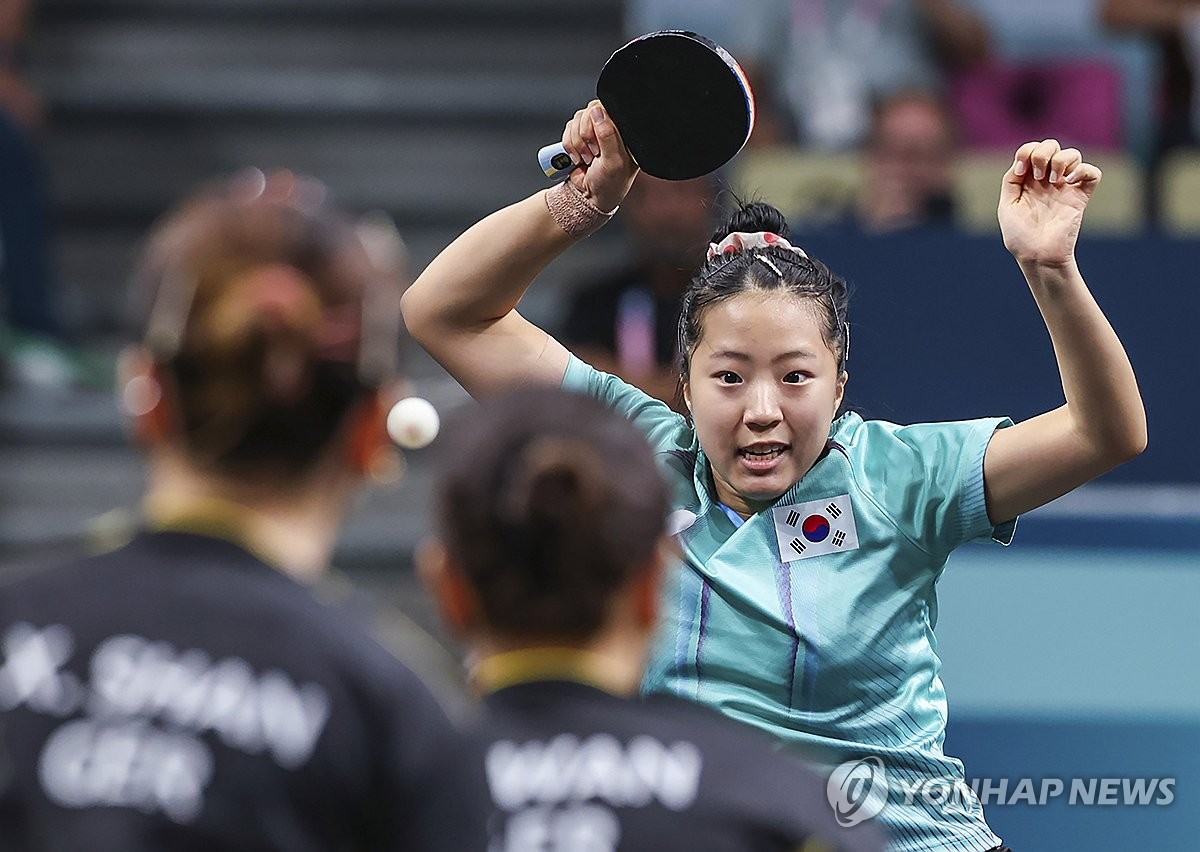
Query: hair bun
x=751 y=218
x=556 y=478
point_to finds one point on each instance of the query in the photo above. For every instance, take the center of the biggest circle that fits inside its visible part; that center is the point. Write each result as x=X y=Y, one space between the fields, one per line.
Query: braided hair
x=769 y=269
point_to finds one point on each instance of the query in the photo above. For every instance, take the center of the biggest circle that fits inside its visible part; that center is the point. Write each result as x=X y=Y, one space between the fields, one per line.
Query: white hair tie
x=740 y=241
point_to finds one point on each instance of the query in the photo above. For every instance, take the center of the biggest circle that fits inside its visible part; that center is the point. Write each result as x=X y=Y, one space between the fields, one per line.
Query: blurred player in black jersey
x=551 y=552
x=187 y=691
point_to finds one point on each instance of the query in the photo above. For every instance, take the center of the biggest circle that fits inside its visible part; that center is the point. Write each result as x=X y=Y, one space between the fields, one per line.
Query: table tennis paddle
x=681 y=102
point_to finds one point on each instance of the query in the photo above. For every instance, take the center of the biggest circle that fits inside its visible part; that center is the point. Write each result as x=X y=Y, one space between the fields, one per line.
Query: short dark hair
x=550 y=502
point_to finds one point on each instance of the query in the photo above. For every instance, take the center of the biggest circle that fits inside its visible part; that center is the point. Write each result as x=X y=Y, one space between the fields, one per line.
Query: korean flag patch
x=815 y=528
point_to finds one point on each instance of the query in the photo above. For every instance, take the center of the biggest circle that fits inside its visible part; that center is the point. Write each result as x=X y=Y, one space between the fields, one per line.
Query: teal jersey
x=814 y=618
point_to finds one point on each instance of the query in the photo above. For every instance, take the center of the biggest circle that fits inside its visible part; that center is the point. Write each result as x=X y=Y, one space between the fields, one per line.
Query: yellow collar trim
x=533 y=664
x=208 y=516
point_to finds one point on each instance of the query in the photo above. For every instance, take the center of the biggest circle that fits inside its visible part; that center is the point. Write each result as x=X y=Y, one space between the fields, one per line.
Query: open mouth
x=762 y=456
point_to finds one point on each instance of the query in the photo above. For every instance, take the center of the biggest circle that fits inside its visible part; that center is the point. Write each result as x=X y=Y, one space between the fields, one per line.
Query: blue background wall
x=944 y=327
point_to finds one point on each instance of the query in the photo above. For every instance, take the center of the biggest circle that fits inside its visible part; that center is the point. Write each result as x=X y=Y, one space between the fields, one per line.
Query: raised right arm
x=462 y=308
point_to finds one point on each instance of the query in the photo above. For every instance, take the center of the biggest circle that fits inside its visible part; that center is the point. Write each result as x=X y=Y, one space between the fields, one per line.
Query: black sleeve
x=787 y=794
x=764 y=789
x=439 y=798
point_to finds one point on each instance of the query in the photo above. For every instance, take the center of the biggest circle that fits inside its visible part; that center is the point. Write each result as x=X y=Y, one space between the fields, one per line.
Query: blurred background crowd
x=874 y=116
x=884 y=127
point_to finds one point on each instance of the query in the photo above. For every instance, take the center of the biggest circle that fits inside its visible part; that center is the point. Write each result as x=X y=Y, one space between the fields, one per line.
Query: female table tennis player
x=551 y=549
x=187 y=691
x=812 y=542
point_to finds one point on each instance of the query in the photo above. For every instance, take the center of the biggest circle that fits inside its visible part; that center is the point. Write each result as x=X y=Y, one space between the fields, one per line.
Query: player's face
x=763 y=389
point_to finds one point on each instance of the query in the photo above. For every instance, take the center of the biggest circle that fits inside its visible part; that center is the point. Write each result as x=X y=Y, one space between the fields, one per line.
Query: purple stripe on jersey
x=783 y=586
x=689 y=602
x=705 y=595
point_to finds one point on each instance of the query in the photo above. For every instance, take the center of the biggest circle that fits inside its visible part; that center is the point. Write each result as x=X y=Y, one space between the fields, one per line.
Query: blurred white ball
x=413 y=423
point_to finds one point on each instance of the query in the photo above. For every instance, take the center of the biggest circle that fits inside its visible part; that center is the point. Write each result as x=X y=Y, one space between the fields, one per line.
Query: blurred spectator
x=827 y=60
x=1175 y=26
x=1103 y=94
x=249 y=714
x=1055 y=72
x=16 y=98
x=625 y=323
x=909 y=161
x=32 y=347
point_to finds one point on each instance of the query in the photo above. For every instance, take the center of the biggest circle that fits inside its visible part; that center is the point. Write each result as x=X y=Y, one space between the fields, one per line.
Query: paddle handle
x=555 y=161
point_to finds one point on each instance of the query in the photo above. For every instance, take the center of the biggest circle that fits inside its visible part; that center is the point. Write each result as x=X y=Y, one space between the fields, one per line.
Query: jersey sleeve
x=928 y=478
x=665 y=429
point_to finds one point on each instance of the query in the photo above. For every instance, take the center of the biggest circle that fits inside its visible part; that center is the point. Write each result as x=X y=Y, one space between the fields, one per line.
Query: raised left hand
x=1042 y=200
